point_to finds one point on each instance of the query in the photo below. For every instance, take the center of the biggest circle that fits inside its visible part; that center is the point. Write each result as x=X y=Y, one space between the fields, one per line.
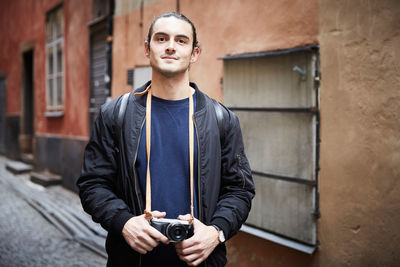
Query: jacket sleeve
x=97 y=183
x=237 y=186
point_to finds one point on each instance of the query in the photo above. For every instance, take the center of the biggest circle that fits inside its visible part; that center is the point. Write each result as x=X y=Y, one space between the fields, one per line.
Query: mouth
x=169 y=57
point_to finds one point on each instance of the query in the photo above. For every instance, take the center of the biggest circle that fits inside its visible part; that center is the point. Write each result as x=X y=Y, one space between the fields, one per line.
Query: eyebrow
x=179 y=35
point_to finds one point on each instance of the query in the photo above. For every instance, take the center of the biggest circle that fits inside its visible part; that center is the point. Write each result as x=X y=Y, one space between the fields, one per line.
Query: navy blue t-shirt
x=169 y=168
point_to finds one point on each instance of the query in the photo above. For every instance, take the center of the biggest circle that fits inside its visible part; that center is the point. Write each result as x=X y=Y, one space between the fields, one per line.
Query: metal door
x=98 y=72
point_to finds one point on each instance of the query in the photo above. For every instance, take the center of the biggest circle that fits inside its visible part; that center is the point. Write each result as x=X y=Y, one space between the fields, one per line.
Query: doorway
x=27 y=118
x=99 y=92
x=2 y=113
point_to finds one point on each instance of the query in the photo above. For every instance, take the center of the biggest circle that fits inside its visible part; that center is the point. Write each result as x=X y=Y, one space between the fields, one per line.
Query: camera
x=175 y=230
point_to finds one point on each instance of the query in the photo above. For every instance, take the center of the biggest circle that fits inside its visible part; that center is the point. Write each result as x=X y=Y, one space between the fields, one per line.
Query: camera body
x=175 y=230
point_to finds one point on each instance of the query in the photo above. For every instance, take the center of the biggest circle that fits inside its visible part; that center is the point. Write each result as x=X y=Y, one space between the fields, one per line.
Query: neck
x=171 y=88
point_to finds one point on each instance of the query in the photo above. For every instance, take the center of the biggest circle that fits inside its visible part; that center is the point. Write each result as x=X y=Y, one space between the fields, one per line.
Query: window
x=275 y=96
x=139 y=76
x=55 y=60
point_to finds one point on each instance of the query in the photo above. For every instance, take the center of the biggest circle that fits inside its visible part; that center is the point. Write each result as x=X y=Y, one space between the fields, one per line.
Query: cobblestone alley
x=45 y=226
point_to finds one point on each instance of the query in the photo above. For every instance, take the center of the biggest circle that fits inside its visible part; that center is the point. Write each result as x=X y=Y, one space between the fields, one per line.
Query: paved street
x=44 y=226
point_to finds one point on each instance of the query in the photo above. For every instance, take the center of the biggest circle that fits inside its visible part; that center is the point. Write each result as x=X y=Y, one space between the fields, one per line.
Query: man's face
x=171 y=51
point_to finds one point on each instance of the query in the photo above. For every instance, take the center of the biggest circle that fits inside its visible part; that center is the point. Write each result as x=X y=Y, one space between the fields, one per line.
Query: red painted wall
x=22 y=27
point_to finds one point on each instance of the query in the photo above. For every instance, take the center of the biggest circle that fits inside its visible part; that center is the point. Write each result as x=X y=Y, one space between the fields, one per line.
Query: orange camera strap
x=148 y=141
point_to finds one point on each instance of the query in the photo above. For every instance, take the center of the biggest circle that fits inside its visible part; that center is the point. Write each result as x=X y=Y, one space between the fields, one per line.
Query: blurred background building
x=314 y=83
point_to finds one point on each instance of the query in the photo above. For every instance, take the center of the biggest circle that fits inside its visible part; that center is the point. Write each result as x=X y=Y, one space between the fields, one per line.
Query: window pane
x=59 y=23
x=269 y=81
x=279 y=143
x=59 y=58
x=50 y=61
x=284 y=208
x=50 y=92
x=59 y=91
x=49 y=30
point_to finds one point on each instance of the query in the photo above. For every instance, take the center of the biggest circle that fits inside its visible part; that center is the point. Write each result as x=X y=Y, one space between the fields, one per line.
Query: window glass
x=59 y=57
x=59 y=23
x=55 y=59
x=49 y=31
x=50 y=60
x=50 y=92
x=59 y=91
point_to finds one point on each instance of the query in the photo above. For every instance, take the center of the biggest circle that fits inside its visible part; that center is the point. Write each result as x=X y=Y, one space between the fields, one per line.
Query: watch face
x=221 y=236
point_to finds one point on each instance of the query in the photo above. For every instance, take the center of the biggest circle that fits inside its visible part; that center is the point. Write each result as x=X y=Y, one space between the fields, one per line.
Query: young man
x=212 y=189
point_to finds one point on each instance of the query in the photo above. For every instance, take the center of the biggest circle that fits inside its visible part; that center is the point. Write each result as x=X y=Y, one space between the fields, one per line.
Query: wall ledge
x=54 y=114
x=308 y=249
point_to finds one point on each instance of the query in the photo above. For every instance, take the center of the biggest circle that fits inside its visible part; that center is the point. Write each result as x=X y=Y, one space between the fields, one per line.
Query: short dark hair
x=178 y=16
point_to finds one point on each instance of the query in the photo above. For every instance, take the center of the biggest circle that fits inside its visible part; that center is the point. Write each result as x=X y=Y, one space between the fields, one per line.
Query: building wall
x=360 y=111
x=223 y=27
x=360 y=148
x=22 y=27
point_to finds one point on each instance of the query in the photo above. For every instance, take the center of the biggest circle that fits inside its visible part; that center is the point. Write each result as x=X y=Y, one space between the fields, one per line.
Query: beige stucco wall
x=223 y=27
x=360 y=148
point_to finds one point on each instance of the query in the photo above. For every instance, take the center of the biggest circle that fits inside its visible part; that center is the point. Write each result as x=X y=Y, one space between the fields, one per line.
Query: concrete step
x=17 y=167
x=27 y=158
x=45 y=178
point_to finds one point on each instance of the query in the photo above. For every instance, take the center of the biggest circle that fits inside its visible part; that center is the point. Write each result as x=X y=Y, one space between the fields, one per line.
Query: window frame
x=314 y=109
x=55 y=96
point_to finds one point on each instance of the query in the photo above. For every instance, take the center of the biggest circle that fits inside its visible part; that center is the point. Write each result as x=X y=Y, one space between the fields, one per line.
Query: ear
x=146 y=49
x=195 y=55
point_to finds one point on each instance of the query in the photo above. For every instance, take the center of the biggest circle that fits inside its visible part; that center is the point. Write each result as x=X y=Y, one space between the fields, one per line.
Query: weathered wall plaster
x=360 y=149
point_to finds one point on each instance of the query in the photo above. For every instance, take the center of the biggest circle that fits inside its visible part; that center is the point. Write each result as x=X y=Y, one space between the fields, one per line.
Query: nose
x=170 y=47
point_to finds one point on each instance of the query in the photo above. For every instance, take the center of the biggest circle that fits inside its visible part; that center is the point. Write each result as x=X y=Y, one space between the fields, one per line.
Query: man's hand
x=196 y=249
x=140 y=235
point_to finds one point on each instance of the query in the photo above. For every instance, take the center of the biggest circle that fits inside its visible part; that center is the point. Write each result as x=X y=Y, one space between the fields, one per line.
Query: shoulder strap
x=220 y=117
x=122 y=109
x=121 y=115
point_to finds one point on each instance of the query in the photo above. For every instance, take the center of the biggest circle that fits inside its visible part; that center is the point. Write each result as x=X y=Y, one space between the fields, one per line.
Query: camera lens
x=176 y=232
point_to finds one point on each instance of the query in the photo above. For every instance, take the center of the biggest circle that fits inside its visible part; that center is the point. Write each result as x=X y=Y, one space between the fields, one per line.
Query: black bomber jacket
x=108 y=185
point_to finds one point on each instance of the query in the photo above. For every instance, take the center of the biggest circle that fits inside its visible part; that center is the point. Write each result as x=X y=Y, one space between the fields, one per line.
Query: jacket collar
x=140 y=97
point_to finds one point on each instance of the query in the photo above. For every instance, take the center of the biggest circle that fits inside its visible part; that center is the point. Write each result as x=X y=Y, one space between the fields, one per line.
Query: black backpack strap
x=219 y=112
x=120 y=118
x=122 y=109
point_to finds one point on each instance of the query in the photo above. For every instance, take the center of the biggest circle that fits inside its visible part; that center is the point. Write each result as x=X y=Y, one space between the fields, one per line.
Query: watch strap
x=221 y=236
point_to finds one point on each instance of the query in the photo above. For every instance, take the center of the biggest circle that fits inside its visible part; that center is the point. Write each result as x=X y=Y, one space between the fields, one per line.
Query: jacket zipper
x=198 y=168
x=134 y=177
x=198 y=174
x=133 y=165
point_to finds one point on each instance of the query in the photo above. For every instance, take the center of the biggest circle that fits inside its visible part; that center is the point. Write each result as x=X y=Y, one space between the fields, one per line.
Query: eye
x=161 y=39
x=182 y=41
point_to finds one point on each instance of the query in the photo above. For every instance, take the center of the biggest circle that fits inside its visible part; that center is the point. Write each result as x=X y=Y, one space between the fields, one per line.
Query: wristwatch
x=221 y=236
